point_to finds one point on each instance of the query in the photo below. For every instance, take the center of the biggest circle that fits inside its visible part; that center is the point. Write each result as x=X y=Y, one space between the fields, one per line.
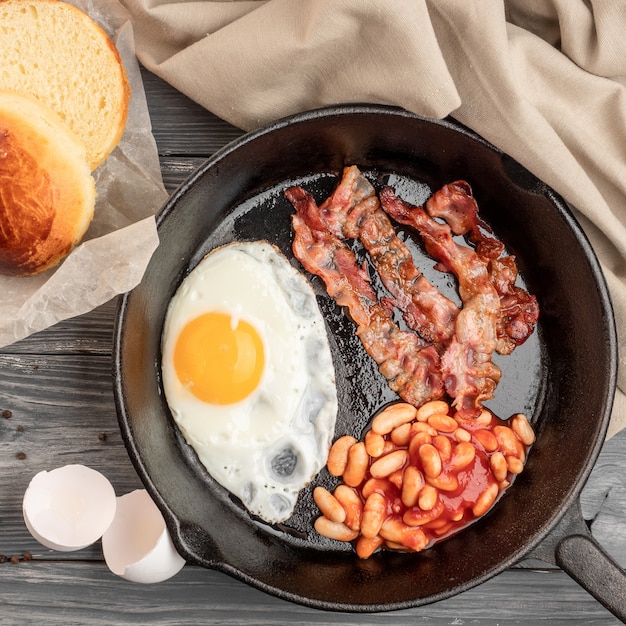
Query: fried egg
x=248 y=375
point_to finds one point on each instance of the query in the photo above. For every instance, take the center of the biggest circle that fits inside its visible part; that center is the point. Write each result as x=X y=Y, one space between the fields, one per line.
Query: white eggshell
x=68 y=508
x=137 y=545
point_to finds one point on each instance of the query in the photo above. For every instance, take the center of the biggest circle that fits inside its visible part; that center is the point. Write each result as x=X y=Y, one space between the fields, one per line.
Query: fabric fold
x=284 y=56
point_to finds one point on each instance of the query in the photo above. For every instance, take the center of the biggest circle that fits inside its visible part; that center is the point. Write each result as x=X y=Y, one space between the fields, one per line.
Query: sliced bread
x=57 y=53
x=47 y=192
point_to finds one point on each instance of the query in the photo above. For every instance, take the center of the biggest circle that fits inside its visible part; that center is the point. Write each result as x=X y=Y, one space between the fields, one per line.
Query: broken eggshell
x=68 y=508
x=71 y=507
x=137 y=545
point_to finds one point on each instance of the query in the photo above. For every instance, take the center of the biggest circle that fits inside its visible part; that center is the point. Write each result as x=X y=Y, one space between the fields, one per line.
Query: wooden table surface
x=56 y=403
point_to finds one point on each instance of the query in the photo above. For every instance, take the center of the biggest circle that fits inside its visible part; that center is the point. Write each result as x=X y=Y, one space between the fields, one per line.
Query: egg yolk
x=219 y=359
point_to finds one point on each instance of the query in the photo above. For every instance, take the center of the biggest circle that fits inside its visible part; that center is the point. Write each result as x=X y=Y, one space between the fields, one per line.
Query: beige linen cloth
x=544 y=80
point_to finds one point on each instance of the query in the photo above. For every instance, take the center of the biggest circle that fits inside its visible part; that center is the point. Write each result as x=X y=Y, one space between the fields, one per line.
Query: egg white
x=267 y=447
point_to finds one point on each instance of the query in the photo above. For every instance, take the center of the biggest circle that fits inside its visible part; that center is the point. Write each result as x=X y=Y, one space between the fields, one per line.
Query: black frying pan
x=563 y=377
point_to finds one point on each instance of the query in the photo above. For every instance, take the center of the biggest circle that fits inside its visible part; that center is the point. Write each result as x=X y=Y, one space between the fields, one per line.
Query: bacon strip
x=455 y=203
x=353 y=211
x=410 y=367
x=470 y=376
x=519 y=310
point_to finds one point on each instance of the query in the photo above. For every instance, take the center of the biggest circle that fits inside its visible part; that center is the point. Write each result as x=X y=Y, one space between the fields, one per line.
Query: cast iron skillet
x=563 y=377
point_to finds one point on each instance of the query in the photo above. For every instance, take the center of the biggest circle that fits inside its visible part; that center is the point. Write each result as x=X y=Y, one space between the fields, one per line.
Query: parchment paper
x=122 y=237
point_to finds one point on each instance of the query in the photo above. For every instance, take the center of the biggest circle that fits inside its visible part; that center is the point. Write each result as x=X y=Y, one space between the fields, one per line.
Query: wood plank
x=79 y=593
x=180 y=126
x=176 y=170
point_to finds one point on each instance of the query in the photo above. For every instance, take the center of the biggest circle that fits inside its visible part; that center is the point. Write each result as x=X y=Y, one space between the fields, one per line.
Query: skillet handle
x=591 y=567
x=571 y=546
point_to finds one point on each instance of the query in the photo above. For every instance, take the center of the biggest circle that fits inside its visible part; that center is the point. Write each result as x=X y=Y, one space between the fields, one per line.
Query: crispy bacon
x=519 y=310
x=454 y=350
x=455 y=203
x=353 y=211
x=410 y=366
x=470 y=376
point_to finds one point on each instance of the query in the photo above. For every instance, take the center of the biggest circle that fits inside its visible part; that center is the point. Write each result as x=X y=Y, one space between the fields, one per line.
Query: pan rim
x=126 y=428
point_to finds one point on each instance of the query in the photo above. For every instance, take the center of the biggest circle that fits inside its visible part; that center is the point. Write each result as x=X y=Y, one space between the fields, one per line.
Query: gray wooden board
x=84 y=593
x=58 y=387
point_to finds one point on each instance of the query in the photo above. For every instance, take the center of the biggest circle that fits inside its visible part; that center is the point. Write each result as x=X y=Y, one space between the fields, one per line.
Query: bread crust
x=68 y=62
x=47 y=193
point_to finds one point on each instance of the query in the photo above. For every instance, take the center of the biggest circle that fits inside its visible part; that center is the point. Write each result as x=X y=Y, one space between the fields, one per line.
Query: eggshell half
x=137 y=545
x=68 y=508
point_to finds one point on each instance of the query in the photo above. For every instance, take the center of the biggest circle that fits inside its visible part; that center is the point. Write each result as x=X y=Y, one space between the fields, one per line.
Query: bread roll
x=47 y=193
x=57 y=53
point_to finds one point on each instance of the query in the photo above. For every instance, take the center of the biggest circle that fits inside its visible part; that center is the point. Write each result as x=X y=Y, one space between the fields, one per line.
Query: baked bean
x=390 y=446
x=358 y=460
x=374 y=514
x=352 y=505
x=385 y=465
x=412 y=483
x=443 y=423
x=508 y=442
x=431 y=408
x=414 y=478
x=485 y=500
x=334 y=530
x=329 y=505
x=417 y=441
x=522 y=428
x=514 y=465
x=396 y=547
x=374 y=443
x=498 y=466
x=366 y=546
x=338 y=455
x=414 y=445
x=392 y=416
x=438 y=523
x=444 y=446
x=460 y=434
x=485 y=418
x=415 y=516
x=444 y=482
x=401 y=434
x=442 y=530
x=464 y=454
x=396 y=531
x=377 y=485
x=427 y=498
x=431 y=460
x=486 y=439
x=418 y=427
x=395 y=478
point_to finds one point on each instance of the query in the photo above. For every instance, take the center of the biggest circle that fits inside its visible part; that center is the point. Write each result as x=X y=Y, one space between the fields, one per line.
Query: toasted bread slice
x=55 y=52
x=47 y=192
